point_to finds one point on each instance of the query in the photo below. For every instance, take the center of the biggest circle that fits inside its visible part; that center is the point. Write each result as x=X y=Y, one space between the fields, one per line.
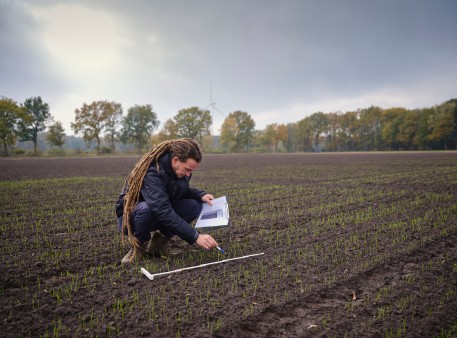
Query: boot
x=130 y=257
x=157 y=245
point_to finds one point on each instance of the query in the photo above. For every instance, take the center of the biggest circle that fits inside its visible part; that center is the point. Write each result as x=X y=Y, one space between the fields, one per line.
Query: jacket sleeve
x=120 y=202
x=194 y=193
x=155 y=195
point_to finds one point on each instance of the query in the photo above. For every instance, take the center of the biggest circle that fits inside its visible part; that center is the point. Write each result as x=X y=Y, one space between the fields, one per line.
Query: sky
x=277 y=60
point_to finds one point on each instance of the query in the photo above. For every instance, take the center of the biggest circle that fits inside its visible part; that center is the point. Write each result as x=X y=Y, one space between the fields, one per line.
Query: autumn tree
x=113 y=120
x=317 y=124
x=94 y=119
x=333 y=131
x=370 y=128
x=56 y=135
x=193 y=122
x=408 y=130
x=138 y=126
x=420 y=140
x=392 y=126
x=281 y=135
x=168 y=131
x=443 y=124
x=34 y=120
x=272 y=135
x=304 y=135
x=10 y=113
x=454 y=113
x=267 y=137
x=237 y=131
x=293 y=139
x=348 y=130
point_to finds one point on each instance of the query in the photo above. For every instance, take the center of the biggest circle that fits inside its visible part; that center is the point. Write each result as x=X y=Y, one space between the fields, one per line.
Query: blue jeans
x=144 y=223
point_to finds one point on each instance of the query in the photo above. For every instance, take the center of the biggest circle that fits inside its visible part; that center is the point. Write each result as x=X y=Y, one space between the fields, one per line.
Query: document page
x=214 y=216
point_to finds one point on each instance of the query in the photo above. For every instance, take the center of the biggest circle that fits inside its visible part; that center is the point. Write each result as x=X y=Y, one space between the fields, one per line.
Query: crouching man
x=157 y=198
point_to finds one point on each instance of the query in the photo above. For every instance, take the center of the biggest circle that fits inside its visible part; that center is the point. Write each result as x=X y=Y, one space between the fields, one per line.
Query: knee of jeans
x=141 y=207
x=142 y=217
x=197 y=207
x=141 y=213
x=194 y=210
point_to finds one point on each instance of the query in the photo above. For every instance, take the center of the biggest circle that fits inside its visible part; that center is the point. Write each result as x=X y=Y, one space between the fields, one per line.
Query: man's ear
x=174 y=161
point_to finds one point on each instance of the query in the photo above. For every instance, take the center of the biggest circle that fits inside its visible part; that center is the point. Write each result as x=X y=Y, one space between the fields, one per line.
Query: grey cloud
x=24 y=65
x=264 y=53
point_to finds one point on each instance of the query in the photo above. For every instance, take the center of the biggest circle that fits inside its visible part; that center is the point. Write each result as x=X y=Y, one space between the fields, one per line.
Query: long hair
x=183 y=149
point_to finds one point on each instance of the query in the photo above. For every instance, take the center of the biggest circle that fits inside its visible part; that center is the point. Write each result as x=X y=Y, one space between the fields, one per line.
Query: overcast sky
x=279 y=61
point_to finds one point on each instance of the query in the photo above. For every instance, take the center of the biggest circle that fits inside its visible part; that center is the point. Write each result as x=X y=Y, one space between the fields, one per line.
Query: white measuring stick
x=151 y=276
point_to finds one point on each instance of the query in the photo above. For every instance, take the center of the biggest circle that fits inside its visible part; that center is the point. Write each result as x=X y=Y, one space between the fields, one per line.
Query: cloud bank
x=277 y=60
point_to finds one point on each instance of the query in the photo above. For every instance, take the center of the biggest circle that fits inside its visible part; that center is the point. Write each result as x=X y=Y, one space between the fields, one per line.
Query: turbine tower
x=212 y=105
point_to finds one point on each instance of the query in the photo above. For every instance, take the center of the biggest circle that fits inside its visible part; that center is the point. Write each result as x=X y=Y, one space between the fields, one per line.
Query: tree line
x=366 y=129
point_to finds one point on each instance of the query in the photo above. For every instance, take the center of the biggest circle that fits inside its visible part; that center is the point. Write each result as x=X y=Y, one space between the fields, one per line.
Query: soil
x=67 y=280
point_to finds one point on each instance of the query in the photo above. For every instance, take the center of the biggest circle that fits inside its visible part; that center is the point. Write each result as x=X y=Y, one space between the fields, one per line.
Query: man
x=157 y=196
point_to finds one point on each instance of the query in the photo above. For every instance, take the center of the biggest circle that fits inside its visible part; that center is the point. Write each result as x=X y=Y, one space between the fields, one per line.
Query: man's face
x=182 y=169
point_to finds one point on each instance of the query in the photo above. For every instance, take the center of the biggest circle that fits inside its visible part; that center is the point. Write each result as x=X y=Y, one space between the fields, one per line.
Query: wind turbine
x=212 y=105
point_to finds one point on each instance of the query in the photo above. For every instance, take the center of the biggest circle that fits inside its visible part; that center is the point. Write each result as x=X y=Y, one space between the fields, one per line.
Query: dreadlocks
x=183 y=149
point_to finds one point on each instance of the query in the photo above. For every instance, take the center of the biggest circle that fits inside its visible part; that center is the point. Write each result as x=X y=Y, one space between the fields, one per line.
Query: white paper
x=214 y=216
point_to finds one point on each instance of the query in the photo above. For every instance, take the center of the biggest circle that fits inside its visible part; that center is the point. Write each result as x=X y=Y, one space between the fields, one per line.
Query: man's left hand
x=208 y=198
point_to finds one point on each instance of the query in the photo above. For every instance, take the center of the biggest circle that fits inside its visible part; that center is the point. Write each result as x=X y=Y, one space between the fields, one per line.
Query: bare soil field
x=354 y=244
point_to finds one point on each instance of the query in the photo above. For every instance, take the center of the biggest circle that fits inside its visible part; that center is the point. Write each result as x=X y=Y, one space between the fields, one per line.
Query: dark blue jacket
x=160 y=190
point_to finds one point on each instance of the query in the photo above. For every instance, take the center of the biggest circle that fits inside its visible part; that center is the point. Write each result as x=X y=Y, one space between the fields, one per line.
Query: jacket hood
x=165 y=164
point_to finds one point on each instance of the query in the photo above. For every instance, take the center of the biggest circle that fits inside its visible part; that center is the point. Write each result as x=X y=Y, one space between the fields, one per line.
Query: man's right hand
x=206 y=242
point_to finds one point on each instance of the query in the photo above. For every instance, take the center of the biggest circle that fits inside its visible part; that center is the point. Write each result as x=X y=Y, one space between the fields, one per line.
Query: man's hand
x=208 y=198
x=206 y=242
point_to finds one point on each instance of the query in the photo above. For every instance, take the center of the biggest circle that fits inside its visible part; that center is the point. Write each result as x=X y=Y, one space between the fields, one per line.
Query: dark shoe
x=131 y=257
x=157 y=246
